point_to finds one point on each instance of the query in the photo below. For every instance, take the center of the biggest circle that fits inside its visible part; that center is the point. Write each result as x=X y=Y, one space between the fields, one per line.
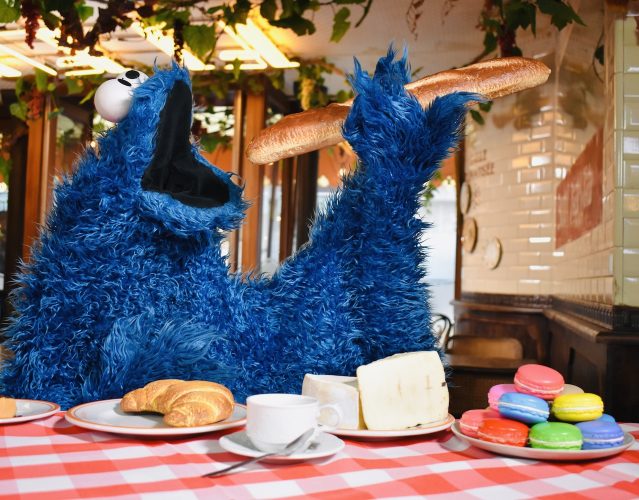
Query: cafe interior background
x=534 y=244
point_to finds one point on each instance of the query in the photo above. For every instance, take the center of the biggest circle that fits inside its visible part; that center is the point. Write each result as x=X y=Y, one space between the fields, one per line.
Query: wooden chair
x=476 y=364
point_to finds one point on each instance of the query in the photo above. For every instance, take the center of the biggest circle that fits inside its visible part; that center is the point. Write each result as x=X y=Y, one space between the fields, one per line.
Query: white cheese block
x=337 y=390
x=403 y=391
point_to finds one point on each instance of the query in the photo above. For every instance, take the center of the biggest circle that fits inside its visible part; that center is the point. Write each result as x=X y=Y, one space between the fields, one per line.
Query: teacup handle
x=338 y=417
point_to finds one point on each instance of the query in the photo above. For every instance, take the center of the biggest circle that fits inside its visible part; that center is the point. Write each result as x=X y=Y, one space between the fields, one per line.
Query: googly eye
x=113 y=98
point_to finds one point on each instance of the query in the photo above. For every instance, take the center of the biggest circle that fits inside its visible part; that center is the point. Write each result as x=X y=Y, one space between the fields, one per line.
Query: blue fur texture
x=127 y=286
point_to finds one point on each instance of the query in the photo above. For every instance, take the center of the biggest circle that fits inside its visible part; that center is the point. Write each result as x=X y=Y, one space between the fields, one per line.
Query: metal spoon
x=289 y=449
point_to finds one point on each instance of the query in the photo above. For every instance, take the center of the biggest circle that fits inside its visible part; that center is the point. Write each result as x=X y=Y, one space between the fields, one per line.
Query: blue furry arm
x=364 y=253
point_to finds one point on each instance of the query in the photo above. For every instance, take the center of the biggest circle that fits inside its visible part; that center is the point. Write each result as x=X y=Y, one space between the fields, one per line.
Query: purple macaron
x=523 y=407
x=599 y=434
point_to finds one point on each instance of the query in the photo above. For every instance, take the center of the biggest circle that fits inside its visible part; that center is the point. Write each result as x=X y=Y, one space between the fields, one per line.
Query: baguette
x=317 y=128
x=183 y=403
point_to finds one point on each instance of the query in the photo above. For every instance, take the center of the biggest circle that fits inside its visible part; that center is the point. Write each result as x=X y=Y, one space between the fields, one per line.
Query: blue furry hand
x=387 y=125
x=128 y=283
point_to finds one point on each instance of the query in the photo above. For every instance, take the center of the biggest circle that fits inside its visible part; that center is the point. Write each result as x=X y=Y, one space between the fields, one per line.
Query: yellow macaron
x=577 y=407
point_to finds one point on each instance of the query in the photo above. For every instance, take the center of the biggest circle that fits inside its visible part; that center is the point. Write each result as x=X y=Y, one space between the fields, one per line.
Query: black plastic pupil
x=132 y=74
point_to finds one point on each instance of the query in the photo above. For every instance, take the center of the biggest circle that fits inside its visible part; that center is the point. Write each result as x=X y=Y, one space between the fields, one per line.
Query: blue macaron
x=606 y=418
x=523 y=407
x=599 y=434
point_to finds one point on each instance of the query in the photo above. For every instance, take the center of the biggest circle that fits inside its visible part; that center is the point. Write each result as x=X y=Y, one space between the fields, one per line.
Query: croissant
x=183 y=403
x=8 y=407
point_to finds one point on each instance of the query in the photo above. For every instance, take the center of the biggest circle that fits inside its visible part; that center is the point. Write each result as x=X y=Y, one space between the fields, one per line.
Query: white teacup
x=274 y=420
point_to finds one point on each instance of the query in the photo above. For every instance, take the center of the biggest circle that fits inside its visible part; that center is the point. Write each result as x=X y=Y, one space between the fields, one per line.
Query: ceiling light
x=165 y=44
x=260 y=42
x=99 y=64
x=28 y=60
x=9 y=72
x=84 y=72
x=241 y=54
x=248 y=66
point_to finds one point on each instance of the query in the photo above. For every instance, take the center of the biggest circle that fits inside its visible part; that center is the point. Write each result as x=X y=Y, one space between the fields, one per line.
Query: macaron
x=577 y=407
x=503 y=431
x=606 y=418
x=599 y=434
x=539 y=380
x=470 y=420
x=495 y=392
x=555 y=436
x=571 y=389
x=523 y=407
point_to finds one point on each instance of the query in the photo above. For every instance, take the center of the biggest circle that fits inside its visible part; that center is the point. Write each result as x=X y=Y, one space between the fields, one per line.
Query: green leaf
x=236 y=68
x=520 y=14
x=476 y=115
x=599 y=54
x=84 y=11
x=486 y=105
x=561 y=14
x=200 y=39
x=9 y=11
x=74 y=85
x=297 y=23
x=54 y=114
x=51 y=87
x=19 y=86
x=19 y=110
x=88 y=97
x=268 y=9
x=210 y=142
x=41 y=80
x=490 y=42
x=5 y=168
x=340 y=24
x=51 y=21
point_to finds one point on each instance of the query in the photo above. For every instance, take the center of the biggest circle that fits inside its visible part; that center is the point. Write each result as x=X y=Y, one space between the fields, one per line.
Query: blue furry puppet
x=127 y=284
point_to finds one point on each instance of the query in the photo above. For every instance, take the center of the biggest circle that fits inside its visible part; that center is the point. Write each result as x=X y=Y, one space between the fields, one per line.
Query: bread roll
x=183 y=403
x=317 y=128
x=8 y=408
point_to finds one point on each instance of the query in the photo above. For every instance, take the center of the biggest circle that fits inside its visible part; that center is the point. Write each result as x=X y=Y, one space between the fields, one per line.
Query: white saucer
x=31 y=409
x=108 y=417
x=541 y=453
x=420 y=430
x=324 y=445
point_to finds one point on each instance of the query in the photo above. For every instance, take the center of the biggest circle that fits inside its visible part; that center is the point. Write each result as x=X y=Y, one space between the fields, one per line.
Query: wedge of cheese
x=403 y=391
x=337 y=390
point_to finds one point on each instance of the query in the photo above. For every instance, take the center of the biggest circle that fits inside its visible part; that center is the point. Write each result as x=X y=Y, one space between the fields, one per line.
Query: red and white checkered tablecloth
x=50 y=458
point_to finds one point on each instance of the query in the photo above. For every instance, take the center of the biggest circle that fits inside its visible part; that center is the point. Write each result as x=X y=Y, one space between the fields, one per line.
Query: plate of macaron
x=542 y=418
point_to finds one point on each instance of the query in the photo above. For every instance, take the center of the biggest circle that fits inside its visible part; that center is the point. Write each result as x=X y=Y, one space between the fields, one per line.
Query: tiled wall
x=516 y=161
x=623 y=150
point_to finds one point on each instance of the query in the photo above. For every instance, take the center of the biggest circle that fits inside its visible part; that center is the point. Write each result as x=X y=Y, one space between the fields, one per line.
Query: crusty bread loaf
x=322 y=127
x=183 y=403
x=8 y=407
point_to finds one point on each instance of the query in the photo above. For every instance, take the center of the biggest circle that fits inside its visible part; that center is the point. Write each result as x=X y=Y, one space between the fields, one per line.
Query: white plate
x=542 y=454
x=30 y=409
x=108 y=417
x=369 y=435
x=324 y=445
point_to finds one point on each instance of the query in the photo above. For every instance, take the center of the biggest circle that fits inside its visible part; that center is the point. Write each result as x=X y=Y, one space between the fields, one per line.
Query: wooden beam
x=237 y=154
x=253 y=175
x=41 y=140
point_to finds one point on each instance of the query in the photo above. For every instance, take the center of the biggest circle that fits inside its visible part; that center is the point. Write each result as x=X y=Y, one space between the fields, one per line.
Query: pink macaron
x=539 y=380
x=496 y=391
x=471 y=419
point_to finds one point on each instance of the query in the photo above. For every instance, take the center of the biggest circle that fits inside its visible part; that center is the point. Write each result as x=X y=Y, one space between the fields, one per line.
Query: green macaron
x=555 y=436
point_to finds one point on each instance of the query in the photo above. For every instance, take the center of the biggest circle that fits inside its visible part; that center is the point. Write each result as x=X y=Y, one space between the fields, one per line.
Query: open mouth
x=174 y=169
